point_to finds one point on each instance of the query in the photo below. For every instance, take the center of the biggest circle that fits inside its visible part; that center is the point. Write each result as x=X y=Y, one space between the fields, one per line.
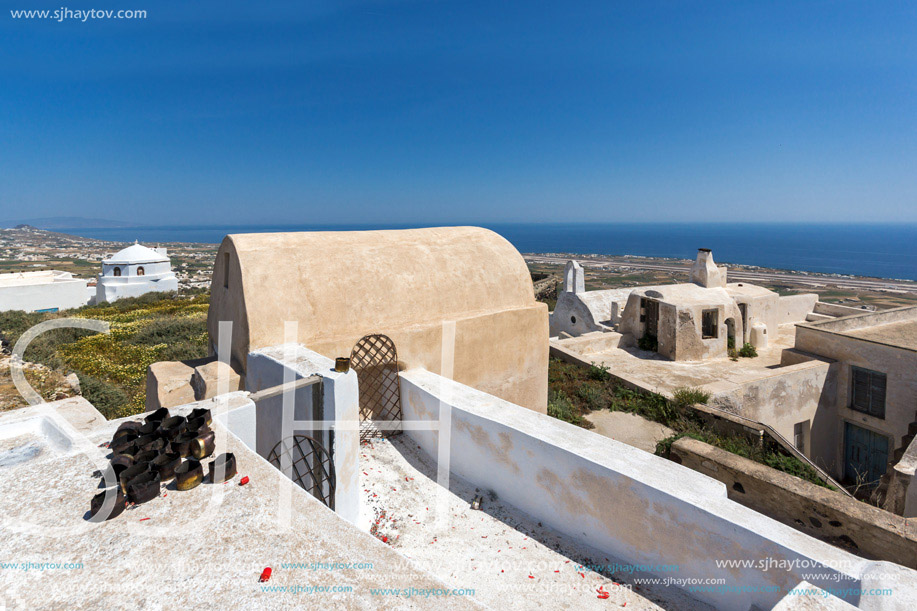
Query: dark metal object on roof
x=182 y=443
x=172 y=427
x=99 y=510
x=130 y=473
x=189 y=475
x=150 y=442
x=144 y=487
x=165 y=465
x=158 y=416
x=223 y=468
x=200 y=412
x=203 y=446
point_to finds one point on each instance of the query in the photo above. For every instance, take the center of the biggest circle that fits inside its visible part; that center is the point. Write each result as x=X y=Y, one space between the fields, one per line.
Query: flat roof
x=45 y=276
x=902 y=334
x=203 y=548
x=896 y=327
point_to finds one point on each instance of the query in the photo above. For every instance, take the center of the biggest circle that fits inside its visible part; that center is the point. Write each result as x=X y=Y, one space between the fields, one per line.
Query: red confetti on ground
x=384 y=539
x=243 y=481
x=265 y=575
x=604 y=595
x=142 y=519
x=530 y=577
x=557 y=571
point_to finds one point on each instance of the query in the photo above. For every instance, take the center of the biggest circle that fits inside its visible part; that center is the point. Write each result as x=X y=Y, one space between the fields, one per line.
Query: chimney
x=705 y=272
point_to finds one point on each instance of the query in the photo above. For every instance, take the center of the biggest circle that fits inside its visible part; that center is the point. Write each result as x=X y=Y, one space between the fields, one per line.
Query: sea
x=876 y=250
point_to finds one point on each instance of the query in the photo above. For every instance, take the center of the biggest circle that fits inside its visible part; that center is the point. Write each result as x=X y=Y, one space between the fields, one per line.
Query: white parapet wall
x=634 y=507
x=338 y=409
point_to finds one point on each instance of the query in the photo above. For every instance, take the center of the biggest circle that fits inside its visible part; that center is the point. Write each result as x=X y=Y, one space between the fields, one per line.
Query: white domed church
x=134 y=271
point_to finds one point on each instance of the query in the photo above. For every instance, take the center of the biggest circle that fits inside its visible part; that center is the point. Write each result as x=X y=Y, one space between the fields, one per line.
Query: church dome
x=136 y=254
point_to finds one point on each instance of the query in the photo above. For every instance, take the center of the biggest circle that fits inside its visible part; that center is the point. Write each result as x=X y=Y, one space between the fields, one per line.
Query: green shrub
x=748 y=351
x=664 y=446
x=730 y=343
x=685 y=396
x=599 y=372
x=107 y=397
x=560 y=407
x=591 y=395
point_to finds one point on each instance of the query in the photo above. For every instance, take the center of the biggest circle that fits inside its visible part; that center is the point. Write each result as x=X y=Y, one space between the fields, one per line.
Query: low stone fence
x=827 y=515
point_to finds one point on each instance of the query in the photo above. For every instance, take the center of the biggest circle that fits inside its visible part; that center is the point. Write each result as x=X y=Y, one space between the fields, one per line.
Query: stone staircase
x=879 y=495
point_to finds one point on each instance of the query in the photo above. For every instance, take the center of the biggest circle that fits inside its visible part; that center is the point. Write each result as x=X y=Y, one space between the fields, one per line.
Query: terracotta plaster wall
x=340 y=286
x=628 y=505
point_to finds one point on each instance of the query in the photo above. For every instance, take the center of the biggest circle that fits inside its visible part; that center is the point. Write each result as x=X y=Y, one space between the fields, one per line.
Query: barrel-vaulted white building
x=134 y=271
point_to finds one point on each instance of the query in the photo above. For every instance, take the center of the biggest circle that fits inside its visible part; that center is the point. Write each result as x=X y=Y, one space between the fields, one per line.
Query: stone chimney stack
x=705 y=272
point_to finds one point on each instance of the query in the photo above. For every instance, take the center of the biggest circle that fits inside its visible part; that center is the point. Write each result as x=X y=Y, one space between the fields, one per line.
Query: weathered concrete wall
x=803 y=392
x=761 y=306
x=901 y=496
x=336 y=404
x=631 y=505
x=340 y=286
x=898 y=364
x=866 y=319
x=681 y=306
x=794 y=308
x=830 y=516
x=572 y=315
x=591 y=343
x=834 y=309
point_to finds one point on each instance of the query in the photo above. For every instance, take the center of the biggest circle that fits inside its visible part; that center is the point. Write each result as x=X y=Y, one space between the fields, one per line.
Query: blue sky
x=271 y=112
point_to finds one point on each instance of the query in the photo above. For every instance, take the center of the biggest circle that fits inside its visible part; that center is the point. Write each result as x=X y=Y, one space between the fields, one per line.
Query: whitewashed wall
x=63 y=295
x=266 y=369
x=630 y=505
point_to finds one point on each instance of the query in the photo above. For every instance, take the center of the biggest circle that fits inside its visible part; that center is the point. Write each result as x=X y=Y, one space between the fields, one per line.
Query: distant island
x=64 y=222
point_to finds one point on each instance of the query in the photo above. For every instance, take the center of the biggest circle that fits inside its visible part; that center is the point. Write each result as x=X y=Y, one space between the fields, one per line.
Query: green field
x=112 y=367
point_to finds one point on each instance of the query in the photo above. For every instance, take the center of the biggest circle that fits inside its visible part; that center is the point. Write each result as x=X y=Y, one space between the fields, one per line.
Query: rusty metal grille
x=306 y=462
x=375 y=360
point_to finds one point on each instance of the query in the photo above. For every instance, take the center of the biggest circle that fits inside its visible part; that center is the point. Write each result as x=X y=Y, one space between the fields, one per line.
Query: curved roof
x=348 y=283
x=138 y=253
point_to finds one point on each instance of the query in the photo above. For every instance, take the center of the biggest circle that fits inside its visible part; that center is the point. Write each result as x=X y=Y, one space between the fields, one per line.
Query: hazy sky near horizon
x=430 y=111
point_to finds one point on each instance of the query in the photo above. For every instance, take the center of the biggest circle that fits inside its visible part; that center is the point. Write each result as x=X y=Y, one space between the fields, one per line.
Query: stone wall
x=830 y=516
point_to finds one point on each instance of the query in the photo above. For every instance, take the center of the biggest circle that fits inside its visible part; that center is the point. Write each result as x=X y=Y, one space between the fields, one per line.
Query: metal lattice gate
x=375 y=360
x=306 y=462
